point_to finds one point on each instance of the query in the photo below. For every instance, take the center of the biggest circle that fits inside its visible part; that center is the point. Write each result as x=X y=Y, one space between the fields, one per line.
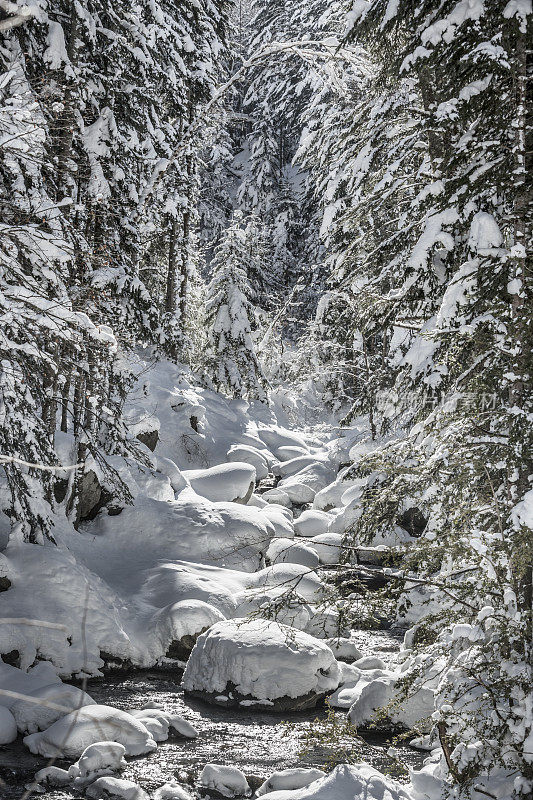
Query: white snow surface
x=111 y=788
x=295 y=778
x=223 y=483
x=264 y=659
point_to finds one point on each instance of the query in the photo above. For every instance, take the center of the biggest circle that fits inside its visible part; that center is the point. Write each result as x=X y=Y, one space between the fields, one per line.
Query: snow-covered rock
x=374 y=695
x=70 y=735
x=303 y=486
x=291 y=552
x=293 y=577
x=274 y=603
x=160 y=723
x=278 y=497
x=8 y=726
x=261 y=662
x=296 y=778
x=246 y=454
x=280 y=517
x=276 y=437
x=344 y=649
x=226 y=781
x=288 y=452
x=172 y=791
x=347 y=782
x=325 y=624
x=50 y=778
x=327 y=546
x=286 y=468
x=97 y=760
x=312 y=522
x=233 y=482
x=180 y=624
x=47 y=705
x=115 y=789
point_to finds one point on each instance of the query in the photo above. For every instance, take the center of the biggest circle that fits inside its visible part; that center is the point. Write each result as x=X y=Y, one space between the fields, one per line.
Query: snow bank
x=347 y=782
x=70 y=735
x=232 y=482
x=260 y=659
x=227 y=781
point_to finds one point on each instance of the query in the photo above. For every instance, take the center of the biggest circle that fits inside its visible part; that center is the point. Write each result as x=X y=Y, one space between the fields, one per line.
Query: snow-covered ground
x=197 y=550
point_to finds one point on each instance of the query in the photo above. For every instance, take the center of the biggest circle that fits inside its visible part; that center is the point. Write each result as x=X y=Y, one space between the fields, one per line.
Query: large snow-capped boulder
x=312 y=522
x=347 y=782
x=291 y=552
x=233 y=482
x=180 y=624
x=70 y=735
x=48 y=704
x=260 y=663
x=246 y=454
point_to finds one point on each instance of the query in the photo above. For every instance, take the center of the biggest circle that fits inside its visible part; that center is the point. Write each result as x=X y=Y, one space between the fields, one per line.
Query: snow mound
x=325 y=624
x=50 y=777
x=288 y=551
x=8 y=726
x=296 y=778
x=227 y=781
x=246 y=454
x=347 y=782
x=46 y=705
x=70 y=735
x=181 y=582
x=288 y=452
x=260 y=659
x=344 y=649
x=293 y=577
x=277 y=497
x=232 y=482
x=276 y=437
x=111 y=788
x=372 y=695
x=287 y=468
x=96 y=761
x=312 y=522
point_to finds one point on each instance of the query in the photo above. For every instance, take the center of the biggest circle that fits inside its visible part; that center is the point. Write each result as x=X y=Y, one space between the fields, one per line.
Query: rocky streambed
x=257 y=742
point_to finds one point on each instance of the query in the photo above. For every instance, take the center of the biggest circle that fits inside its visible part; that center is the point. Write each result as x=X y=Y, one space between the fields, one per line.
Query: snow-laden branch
x=13 y=460
x=304 y=48
x=19 y=14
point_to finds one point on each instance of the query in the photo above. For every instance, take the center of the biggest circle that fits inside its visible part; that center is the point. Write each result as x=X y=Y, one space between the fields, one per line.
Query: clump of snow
x=296 y=778
x=232 y=482
x=50 y=777
x=227 y=781
x=380 y=694
x=8 y=726
x=274 y=603
x=288 y=452
x=111 y=788
x=70 y=735
x=97 y=760
x=325 y=624
x=262 y=659
x=278 y=497
x=344 y=649
x=347 y=782
x=304 y=485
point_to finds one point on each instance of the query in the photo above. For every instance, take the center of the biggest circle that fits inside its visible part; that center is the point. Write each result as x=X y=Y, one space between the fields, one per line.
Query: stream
x=259 y=743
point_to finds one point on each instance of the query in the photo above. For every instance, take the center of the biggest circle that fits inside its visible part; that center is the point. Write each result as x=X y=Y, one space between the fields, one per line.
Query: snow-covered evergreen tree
x=232 y=360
